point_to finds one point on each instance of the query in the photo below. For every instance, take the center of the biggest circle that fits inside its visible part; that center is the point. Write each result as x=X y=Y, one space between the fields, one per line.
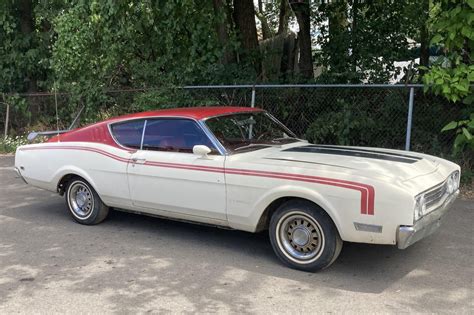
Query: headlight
x=450 y=185
x=420 y=207
x=455 y=176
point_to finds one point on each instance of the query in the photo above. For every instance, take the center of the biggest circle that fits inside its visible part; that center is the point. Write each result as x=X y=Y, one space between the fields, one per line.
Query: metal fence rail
x=391 y=116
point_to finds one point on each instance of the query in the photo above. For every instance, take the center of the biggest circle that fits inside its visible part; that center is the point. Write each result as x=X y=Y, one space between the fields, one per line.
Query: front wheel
x=303 y=236
x=84 y=203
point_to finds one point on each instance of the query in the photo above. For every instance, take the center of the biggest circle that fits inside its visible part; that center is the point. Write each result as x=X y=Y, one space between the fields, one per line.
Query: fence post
x=252 y=104
x=252 y=101
x=410 y=118
x=7 y=117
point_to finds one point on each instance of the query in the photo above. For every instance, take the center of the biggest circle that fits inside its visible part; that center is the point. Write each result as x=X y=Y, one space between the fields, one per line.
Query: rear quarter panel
x=103 y=166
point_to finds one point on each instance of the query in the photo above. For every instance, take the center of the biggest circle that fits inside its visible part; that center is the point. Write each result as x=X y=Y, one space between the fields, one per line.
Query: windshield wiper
x=256 y=145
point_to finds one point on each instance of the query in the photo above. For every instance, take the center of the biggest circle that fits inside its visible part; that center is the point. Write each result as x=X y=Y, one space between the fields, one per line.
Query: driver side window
x=174 y=135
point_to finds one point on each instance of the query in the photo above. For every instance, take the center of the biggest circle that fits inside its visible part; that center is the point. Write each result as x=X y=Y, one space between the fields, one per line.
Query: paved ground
x=134 y=263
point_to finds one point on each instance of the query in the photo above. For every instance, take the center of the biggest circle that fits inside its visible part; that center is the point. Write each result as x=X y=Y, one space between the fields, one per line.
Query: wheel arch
x=270 y=203
x=61 y=186
x=67 y=173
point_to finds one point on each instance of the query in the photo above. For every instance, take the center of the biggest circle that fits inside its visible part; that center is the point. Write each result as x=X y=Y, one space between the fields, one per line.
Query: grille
x=435 y=196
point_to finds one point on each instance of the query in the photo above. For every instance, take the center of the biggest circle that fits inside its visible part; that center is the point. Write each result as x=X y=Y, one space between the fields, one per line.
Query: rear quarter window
x=129 y=133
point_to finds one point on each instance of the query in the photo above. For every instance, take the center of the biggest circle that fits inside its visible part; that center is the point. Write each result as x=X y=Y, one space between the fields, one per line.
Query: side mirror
x=201 y=150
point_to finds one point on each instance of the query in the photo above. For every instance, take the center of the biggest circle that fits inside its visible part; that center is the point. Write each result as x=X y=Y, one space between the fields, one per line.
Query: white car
x=240 y=168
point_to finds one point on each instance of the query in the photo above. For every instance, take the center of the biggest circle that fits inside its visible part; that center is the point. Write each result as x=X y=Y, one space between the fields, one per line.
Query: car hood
x=366 y=161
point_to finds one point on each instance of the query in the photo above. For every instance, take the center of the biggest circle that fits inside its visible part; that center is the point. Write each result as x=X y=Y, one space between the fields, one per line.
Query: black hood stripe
x=363 y=154
x=366 y=150
x=308 y=162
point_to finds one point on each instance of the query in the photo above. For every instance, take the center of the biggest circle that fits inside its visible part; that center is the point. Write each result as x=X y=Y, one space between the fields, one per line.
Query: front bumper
x=408 y=235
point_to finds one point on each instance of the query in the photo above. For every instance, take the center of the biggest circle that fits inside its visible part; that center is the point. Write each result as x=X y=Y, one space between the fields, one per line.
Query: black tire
x=93 y=210
x=303 y=236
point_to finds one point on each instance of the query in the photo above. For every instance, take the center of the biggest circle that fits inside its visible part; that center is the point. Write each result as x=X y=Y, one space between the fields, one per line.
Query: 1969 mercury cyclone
x=240 y=168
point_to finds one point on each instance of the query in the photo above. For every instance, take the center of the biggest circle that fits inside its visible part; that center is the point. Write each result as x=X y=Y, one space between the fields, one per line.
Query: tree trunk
x=27 y=24
x=338 y=43
x=222 y=31
x=244 y=17
x=354 y=36
x=302 y=12
x=266 y=32
x=424 y=37
x=283 y=17
x=424 y=47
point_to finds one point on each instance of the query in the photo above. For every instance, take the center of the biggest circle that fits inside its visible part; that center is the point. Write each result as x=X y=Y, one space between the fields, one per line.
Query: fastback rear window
x=129 y=133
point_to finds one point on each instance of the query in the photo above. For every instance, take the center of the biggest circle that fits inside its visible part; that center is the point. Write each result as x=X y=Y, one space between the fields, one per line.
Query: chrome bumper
x=408 y=235
x=18 y=173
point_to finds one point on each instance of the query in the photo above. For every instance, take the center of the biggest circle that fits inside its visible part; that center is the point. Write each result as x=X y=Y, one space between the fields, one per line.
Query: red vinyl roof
x=191 y=112
x=99 y=132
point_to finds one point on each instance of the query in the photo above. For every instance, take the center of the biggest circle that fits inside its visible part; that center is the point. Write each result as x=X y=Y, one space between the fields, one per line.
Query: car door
x=165 y=175
x=112 y=164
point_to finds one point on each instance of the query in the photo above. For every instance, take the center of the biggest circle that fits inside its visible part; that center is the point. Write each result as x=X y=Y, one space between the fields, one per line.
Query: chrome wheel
x=299 y=237
x=80 y=200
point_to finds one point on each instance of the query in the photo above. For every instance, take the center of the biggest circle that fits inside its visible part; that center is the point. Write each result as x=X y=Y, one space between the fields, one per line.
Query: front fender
x=250 y=223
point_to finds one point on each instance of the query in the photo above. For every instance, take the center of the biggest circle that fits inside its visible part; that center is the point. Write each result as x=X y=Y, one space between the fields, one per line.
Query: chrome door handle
x=138 y=161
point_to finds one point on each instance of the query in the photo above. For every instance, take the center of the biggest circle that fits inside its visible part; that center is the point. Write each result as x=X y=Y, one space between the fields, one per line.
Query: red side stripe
x=367 y=207
x=186 y=166
x=367 y=192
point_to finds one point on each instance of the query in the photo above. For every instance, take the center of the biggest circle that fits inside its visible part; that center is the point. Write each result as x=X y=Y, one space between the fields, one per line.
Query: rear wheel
x=83 y=202
x=303 y=236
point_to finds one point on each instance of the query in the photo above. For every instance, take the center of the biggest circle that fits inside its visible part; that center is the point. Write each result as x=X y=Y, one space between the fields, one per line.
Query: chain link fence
x=363 y=115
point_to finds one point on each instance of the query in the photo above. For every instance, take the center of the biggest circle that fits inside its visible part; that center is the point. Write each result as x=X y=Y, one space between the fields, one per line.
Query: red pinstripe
x=367 y=191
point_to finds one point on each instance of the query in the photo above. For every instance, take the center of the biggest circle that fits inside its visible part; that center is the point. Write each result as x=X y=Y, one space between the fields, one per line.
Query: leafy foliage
x=103 y=45
x=24 y=54
x=464 y=133
x=167 y=98
x=345 y=126
x=453 y=74
x=9 y=144
x=89 y=47
x=452 y=82
x=363 y=39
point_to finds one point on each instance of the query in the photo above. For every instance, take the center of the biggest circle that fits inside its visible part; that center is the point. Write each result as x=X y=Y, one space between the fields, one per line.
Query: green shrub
x=9 y=144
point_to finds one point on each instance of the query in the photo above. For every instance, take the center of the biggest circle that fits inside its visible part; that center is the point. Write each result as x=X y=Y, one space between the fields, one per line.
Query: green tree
x=24 y=48
x=102 y=45
x=302 y=10
x=452 y=75
x=244 y=18
x=360 y=41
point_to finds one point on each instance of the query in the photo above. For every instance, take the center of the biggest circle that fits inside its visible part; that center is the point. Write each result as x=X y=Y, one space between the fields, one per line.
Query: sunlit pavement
x=134 y=263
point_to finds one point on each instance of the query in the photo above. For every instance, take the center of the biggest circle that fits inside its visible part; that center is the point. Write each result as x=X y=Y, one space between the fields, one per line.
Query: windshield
x=249 y=131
